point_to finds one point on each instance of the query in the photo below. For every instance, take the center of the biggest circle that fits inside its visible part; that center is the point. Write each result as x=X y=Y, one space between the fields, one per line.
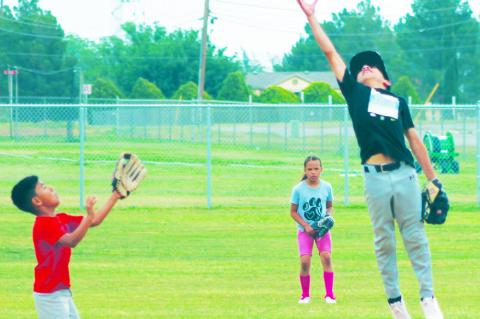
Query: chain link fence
x=221 y=155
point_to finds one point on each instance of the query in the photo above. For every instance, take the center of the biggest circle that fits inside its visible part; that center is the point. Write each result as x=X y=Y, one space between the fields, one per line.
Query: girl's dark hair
x=308 y=159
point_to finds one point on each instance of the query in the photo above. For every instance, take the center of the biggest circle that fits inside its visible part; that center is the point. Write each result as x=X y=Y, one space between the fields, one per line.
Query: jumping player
x=311 y=200
x=54 y=234
x=381 y=121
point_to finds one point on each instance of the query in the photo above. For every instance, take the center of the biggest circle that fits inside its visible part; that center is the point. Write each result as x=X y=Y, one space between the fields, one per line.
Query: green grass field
x=162 y=254
x=233 y=263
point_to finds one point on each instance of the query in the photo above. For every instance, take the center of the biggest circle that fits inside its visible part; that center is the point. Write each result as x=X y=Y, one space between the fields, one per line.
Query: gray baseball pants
x=395 y=195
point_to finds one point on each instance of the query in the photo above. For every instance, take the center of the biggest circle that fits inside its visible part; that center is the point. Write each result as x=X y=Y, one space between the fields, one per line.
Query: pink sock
x=328 y=279
x=305 y=283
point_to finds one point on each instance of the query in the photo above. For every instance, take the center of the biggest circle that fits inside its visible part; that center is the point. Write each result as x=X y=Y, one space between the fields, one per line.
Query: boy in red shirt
x=54 y=234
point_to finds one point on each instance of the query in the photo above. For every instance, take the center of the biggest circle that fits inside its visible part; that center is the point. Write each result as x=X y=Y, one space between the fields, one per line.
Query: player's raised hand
x=308 y=8
x=90 y=203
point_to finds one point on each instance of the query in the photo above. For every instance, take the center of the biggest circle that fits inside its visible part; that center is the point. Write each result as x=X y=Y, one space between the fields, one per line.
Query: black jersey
x=379 y=118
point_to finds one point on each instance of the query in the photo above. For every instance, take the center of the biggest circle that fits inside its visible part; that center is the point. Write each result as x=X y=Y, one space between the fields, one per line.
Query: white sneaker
x=431 y=309
x=330 y=300
x=399 y=310
x=304 y=300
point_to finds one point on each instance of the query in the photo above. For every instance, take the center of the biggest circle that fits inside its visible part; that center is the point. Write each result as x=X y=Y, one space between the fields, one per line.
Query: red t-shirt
x=51 y=272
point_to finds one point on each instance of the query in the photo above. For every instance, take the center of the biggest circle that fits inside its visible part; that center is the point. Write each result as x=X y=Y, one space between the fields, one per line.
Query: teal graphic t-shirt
x=311 y=202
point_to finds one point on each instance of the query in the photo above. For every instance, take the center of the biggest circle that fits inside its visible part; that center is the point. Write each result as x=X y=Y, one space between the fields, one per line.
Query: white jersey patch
x=383 y=104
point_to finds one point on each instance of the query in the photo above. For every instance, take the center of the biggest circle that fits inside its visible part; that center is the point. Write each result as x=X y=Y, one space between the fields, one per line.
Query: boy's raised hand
x=308 y=8
x=90 y=203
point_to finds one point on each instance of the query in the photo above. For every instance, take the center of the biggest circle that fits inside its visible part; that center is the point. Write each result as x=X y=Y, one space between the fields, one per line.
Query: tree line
x=437 y=43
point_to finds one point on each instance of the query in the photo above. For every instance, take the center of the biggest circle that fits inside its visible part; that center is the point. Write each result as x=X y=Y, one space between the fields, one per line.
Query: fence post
x=478 y=153
x=11 y=121
x=44 y=113
x=303 y=129
x=454 y=104
x=82 y=154
x=345 y=156
x=250 y=119
x=209 y=156
x=117 y=117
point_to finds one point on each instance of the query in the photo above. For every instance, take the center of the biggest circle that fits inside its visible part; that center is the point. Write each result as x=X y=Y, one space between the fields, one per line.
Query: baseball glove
x=435 y=203
x=323 y=225
x=129 y=172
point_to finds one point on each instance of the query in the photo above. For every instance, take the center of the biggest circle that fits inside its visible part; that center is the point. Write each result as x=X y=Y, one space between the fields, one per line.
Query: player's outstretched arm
x=100 y=215
x=334 y=59
x=420 y=152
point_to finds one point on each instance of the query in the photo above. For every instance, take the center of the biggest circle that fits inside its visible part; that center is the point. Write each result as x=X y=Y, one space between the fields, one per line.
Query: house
x=292 y=81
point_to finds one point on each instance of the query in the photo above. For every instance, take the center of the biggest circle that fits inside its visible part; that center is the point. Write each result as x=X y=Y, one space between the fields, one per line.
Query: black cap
x=371 y=58
x=23 y=192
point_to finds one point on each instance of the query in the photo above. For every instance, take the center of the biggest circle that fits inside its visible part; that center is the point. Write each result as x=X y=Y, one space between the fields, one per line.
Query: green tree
x=166 y=59
x=405 y=88
x=234 y=88
x=277 y=95
x=88 y=59
x=104 y=88
x=440 y=40
x=34 y=43
x=189 y=91
x=144 y=89
x=318 y=92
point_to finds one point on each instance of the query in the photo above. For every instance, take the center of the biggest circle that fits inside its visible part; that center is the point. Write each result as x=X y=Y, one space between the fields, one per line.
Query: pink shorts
x=305 y=243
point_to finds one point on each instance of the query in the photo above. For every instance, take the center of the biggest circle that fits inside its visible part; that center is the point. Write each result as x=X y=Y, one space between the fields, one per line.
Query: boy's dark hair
x=371 y=58
x=308 y=159
x=23 y=192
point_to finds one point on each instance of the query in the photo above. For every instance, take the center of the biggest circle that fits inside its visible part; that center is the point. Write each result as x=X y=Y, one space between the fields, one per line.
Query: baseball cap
x=371 y=58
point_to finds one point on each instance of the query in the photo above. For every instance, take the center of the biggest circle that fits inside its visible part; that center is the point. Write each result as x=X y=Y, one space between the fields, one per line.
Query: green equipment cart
x=441 y=149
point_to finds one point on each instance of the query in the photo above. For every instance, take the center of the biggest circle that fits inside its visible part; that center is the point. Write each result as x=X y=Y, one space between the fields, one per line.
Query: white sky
x=265 y=29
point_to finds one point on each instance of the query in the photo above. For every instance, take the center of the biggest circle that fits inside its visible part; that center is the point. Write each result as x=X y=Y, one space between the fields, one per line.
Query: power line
x=42 y=72
x=34 y=35
x=190 y=58
x=321 y=55
x=289 y=10
x=41 y=25
x=240 y=21
x=254 y=6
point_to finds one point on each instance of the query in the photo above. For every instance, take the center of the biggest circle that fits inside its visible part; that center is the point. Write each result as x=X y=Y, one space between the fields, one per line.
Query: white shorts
x=58 y=305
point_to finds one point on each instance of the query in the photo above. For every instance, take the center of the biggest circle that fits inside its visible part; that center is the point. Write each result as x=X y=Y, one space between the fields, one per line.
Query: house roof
x=263 y=80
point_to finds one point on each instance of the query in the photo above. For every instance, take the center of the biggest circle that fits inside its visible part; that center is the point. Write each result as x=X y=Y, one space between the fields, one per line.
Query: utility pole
x=203 y=52
x=80 y=85
x=10 y=85
x=16 y=84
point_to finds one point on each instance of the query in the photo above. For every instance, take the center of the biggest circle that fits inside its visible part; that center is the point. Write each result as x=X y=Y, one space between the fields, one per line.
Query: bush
x=144 y=89
x=104 y=88
x=234 y=88
x=277 y=95
x=188 y=92
x=318 y=92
